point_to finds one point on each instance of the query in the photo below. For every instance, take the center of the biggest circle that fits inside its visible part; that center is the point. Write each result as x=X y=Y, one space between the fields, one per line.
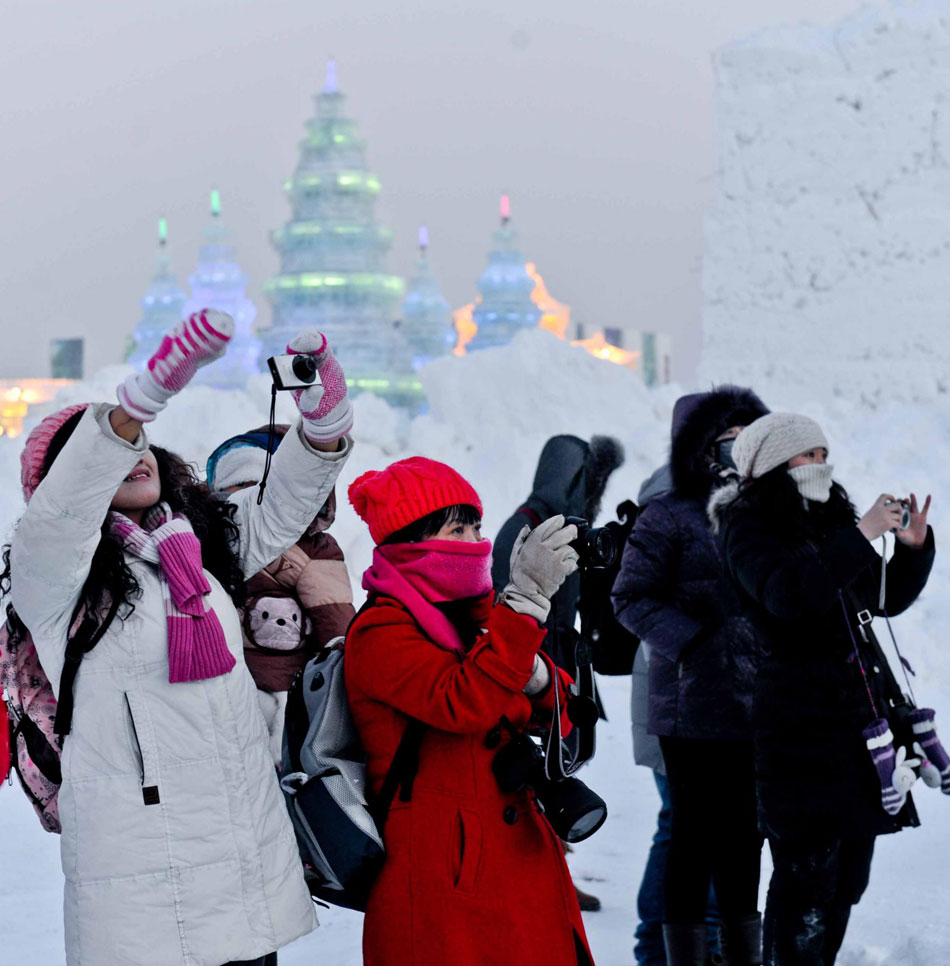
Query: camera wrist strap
x=271 y=430
x=882 y=607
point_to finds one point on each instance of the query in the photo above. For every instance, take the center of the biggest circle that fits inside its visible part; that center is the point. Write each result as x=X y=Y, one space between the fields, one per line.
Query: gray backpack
x=323 y=777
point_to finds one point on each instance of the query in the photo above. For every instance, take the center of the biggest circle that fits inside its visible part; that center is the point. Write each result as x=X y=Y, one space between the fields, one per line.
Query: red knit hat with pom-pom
x=37 y=445
x=390 y=499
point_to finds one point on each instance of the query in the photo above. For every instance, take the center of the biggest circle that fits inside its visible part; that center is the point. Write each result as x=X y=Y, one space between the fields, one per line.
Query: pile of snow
x=490 y=414
x=827 y=249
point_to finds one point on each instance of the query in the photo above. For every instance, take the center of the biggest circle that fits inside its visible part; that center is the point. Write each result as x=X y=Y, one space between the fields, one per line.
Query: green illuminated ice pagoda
x=331 y=259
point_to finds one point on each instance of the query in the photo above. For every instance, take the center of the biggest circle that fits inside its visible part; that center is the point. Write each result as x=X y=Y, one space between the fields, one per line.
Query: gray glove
x=541 y=560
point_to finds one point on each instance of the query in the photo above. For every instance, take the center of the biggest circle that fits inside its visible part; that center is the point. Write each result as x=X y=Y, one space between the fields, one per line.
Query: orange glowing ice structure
x=17 y=395
x=554 y=316
x=598 y=346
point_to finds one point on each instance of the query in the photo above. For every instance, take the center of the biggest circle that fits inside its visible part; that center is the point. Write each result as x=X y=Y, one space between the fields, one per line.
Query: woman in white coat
x=176 y=846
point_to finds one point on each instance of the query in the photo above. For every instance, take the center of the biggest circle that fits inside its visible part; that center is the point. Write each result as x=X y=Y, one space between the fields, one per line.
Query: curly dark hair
x=110 y=577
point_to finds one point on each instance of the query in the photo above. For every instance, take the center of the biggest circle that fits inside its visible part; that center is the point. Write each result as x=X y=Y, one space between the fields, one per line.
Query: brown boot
x=586 y=901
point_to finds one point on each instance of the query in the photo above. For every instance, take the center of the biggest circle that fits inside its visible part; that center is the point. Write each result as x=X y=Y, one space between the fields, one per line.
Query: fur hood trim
x=606 y=455
x=720 y=503
x=697 y=420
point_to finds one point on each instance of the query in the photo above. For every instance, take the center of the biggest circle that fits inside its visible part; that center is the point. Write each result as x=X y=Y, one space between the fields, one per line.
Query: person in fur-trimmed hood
x=299 y=602
x=806 y=567
x=671 y=592
x=570 y=480
x=571 y=477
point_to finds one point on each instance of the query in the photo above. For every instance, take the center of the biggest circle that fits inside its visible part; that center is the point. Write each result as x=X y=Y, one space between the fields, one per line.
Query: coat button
x=511 y=815
x=877 y=670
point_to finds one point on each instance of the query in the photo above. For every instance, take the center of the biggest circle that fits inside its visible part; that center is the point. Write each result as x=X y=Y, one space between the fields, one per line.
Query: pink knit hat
x=37 y=445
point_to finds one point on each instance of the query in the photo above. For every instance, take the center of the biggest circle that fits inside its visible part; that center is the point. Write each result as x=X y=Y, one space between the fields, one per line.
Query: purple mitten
x=193 y=343
x=326 y=409
x=928 y=746
x=880 y=744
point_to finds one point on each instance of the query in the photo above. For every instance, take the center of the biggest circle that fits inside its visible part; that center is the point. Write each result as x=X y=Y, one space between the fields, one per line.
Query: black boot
x=742 y=941
x=836 y=924
x=685 y=944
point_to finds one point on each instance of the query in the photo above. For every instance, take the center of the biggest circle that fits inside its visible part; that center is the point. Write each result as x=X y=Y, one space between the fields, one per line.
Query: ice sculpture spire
x=426 y=312
x=162 y=305
x=219 y=283
x=332 y=273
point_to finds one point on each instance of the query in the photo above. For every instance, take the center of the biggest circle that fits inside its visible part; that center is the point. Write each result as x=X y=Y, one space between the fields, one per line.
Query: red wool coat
x=473 y=876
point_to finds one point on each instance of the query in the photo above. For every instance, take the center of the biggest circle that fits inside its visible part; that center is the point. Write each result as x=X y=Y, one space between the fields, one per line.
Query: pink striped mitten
x=326 y=410
x=193 y=343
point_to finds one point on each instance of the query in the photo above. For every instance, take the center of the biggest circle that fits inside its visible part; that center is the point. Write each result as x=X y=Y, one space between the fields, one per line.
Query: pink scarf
x=197 y=647
x=430 y=572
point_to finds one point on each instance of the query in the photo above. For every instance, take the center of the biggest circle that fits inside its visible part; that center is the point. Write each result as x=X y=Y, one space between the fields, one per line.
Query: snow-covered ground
x=491 y=412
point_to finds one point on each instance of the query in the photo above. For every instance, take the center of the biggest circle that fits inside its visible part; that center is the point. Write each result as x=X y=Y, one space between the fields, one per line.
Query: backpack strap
x=87 y=636
x=402 y=772
x=405 y=764
x=534 y=518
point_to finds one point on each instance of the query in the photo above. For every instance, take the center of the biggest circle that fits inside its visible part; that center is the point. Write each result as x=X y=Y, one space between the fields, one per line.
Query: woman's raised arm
x=305 y=465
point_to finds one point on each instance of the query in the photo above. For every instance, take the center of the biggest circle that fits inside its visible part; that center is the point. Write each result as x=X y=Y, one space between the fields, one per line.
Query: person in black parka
x=806 y=567
x=570 y=480
x=672 y=592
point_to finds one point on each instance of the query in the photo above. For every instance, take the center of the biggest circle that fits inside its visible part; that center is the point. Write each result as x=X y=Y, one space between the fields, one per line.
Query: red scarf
x=420 y=575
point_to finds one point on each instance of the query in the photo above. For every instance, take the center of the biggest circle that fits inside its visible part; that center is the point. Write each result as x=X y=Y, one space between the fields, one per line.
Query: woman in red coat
x=473 y=876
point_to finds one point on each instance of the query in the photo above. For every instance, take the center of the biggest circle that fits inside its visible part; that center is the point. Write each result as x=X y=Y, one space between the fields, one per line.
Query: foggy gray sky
x=596 y=117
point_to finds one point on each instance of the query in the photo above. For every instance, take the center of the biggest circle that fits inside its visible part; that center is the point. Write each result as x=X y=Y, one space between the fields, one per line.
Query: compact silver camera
x=296 y=371
x=905 y=512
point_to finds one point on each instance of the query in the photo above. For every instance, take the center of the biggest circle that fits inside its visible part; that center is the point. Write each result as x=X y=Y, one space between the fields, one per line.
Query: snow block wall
x=827 y=249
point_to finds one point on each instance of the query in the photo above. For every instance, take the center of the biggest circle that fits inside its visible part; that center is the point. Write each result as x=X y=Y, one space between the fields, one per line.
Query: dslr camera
x=574 y=811
x=294 y=371
x=597 y=547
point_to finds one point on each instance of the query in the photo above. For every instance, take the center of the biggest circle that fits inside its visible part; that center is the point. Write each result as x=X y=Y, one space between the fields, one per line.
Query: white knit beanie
x=240 y=464
x=773 y=440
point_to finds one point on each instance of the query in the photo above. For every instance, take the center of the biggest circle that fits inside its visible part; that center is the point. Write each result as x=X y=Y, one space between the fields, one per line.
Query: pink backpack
x=37 y=723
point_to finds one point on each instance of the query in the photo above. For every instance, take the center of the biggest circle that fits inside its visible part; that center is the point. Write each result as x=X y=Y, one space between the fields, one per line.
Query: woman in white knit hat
x=806 y=565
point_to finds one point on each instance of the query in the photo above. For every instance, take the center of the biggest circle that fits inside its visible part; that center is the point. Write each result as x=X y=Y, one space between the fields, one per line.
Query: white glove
x=541 y=560
x=193 y=343
x=540 y=677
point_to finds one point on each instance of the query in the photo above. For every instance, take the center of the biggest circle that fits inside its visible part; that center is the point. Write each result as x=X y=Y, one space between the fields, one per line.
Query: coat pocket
x=143 y=746
x=467 y=851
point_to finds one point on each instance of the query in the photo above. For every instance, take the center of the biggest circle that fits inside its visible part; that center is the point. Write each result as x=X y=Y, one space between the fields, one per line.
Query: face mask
x=724 y=453
x=813 y=481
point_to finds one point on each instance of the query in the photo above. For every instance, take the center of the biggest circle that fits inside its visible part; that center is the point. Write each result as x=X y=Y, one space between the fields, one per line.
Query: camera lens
x=305 y=367
x=574 y=810
x=604 y=547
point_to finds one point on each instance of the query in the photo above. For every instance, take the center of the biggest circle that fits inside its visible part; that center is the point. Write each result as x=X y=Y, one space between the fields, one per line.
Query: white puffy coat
x=210 y=873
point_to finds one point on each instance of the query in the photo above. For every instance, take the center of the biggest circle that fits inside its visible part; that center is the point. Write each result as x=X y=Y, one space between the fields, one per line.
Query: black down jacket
x=570 y=479
x=672 y=590
x=801 y=570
